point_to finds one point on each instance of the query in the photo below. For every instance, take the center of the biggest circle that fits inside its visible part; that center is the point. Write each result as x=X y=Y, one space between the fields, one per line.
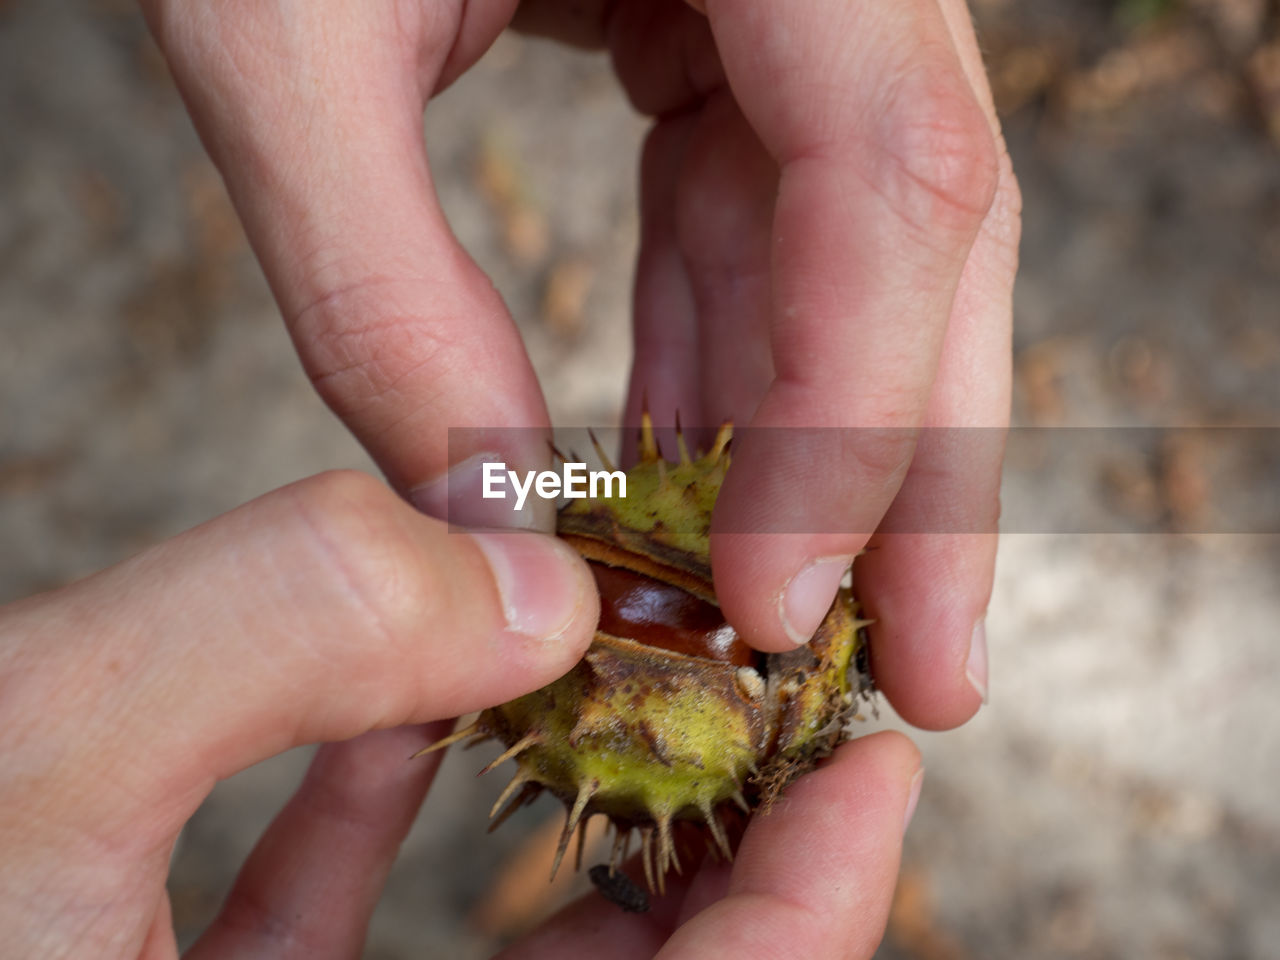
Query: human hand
x=317 y=613
x=830 y=228
x=829 y=240
x=327 y=611
x=812 y=877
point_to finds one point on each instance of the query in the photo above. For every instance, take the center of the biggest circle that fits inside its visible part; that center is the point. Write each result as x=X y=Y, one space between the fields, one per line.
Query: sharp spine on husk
x=585 y=792
x=522 y=745
x=648 y=445
x=473 y=730
x=604 y=457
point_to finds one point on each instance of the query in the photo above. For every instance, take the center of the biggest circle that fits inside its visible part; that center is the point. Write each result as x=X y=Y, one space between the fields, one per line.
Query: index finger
x=815 y=877
x=887 y=169
x=313 y=114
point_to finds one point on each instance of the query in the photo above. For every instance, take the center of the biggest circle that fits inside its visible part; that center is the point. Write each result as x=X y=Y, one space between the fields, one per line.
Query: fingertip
x=547 y=596
x=889 y=750
x=975 y=669
x=803 y=603
x=777 y=590
x=814 y=876
x=751 y=574
x=864 y=786
x=798 y=503
x=927 y=596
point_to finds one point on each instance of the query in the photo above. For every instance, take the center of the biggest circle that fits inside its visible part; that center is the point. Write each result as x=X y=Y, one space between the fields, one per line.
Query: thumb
x=318 y=612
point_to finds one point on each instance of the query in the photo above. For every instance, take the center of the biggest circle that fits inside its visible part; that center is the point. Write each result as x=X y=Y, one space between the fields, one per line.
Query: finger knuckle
x=879 y=452
x=364 y=353
x=678 y=41
x=941 y=159
x=363 y=554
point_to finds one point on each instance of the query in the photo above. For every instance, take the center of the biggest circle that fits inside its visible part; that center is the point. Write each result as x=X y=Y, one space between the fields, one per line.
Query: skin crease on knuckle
x=358 y=540
x=358 y=369
x=941 y=160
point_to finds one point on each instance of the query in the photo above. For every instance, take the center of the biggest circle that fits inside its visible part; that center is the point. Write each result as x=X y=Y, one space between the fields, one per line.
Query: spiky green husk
x=650 y=737
x=665 y=518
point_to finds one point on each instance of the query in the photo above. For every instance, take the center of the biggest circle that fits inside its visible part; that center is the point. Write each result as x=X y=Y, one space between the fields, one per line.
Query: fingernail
x=807 y=597
x=975 y=667
x=913 y=798
x=540 y=582
x=458 y=497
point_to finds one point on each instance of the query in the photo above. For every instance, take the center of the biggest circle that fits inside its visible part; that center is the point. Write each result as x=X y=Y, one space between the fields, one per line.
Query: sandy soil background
x=1117 y=797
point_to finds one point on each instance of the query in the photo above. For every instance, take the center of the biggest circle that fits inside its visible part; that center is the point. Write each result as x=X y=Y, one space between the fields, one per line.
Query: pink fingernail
x=458 y=496
x=913 y=798
x=807 y=597
x=976 y=666
x=540 y=582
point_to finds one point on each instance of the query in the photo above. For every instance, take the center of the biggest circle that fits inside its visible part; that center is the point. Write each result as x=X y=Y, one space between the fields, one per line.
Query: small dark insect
x=618 y=888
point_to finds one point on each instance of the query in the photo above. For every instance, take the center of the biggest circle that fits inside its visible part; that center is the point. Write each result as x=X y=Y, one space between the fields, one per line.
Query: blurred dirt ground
x=1117 y=798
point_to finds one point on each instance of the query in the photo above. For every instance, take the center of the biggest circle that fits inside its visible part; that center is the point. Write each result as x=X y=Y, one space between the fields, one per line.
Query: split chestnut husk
x=670 y=716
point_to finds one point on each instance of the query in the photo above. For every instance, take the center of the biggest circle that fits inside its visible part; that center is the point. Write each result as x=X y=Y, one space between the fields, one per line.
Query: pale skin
x=829 y=239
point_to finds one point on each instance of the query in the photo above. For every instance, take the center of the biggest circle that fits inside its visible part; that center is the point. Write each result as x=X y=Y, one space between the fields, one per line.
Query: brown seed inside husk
x=658 y=614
